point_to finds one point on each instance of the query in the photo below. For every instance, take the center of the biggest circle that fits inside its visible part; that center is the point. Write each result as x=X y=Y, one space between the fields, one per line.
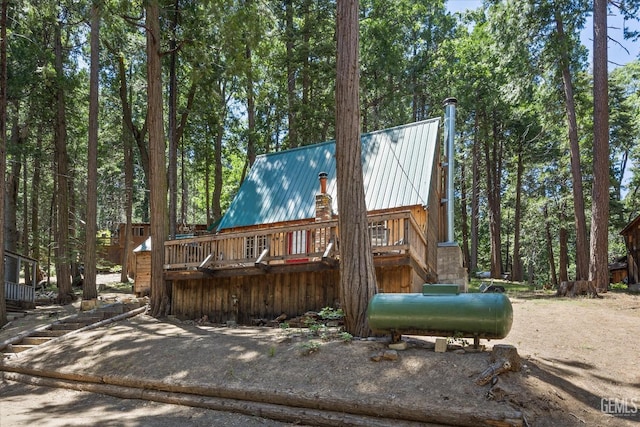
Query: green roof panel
x=398 y=165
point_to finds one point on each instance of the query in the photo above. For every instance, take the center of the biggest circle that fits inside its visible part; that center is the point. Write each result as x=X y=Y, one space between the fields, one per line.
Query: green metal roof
x=398 y=165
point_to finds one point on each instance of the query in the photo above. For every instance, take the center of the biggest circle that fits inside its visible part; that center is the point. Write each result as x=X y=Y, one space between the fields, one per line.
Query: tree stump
x=577 y=287
x=503 y=358
x=506 y=352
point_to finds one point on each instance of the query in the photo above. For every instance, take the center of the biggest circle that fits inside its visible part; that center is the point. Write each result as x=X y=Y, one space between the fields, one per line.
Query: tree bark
x=12 y=185
x=357 y=274
x=516 y=262
x=582 y=244
x=139 y=135
x=291 y=75
x=3 y=145
x=173 y=121
x=63 y=272
x=552 y=262
x=563 y=263
x=160 y=295
x=475 y=199
x=35 y=198
x=493 y=162
x=599 y=248
x=464 y=220
x=251 y=102
x=128 y=209
x=89 y=288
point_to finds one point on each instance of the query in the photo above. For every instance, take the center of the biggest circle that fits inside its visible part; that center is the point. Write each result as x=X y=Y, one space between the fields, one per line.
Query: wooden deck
x=396 y=238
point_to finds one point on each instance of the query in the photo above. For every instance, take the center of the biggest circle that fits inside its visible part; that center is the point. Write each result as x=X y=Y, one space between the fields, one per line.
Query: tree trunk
x=493 y=164
x=217 y=154
x=25 y=250
x=63 y=272
x=128 y=209
x=251 y=107
x=598 y=266
x=516 y=264
x=291 y=74
x=582 y=244
x=563 y=264
x=160 y=295
x=3 y=145
x=475 y=200
x=35 y=198
x=173 y=134
x=357 y=274
x=464 y=220
x=549 y=240
x=139 y=135
x=89 y=288
x=306 y=123
x=217 y=174
x=12 y=185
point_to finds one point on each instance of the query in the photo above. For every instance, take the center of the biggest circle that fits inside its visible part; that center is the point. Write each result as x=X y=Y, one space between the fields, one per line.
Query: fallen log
x=289 y=407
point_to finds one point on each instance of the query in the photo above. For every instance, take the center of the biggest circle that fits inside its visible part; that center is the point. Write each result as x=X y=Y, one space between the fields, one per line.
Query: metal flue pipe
x=449 y=137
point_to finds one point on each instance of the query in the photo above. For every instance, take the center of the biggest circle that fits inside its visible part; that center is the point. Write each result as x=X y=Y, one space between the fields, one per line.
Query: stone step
x=67 y=326
x=87 y=319
x=17 y=348
x=49 y=333
x=35 y=340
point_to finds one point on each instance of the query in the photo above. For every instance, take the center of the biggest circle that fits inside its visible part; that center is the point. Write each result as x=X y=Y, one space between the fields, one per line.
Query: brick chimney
x=324 y=211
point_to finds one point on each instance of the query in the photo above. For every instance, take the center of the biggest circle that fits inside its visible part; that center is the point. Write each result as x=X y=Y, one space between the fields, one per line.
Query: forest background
x=245 y=77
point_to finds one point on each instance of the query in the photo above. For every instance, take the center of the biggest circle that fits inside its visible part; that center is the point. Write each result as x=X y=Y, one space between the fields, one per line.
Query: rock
x=402 y=345
x=441 y=345
x=390 y=355
x=459 y=351
x=376 y=357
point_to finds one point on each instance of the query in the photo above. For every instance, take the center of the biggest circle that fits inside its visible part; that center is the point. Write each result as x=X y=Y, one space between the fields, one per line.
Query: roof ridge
x=362 y=135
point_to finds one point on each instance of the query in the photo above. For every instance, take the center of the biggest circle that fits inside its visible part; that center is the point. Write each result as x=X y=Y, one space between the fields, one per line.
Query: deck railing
x=19 y=292
x=395 y=233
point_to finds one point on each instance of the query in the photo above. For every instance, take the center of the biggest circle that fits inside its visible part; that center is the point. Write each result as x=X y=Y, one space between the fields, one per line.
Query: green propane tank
x=440 y=310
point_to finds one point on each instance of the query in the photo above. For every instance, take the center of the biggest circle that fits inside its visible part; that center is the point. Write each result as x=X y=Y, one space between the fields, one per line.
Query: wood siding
x=142 y=284
x=631 y=235
x=244 y=298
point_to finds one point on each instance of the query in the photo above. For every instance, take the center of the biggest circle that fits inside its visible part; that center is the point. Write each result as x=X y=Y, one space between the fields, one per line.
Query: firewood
x=492 y=371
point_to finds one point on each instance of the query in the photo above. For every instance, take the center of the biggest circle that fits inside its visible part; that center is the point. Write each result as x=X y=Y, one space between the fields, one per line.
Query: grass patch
x=509 y=287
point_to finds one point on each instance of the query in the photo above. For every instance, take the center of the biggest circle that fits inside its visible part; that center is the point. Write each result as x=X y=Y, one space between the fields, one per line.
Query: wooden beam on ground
x=278 y=405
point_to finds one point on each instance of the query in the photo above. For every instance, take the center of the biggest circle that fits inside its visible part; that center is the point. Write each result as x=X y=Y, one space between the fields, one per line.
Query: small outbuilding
x=631 y=234
x=142 y=282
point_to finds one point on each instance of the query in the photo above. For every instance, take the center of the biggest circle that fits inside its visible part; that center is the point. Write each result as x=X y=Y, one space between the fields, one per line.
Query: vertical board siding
x=268 y=296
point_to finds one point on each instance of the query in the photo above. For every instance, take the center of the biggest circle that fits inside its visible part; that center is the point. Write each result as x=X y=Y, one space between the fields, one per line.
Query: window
x=298 y=242
x=137 y=231
x=378 y=232
x=254 y=245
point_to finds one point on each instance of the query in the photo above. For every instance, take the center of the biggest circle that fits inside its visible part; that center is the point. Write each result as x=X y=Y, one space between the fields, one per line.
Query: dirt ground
x=580 y=367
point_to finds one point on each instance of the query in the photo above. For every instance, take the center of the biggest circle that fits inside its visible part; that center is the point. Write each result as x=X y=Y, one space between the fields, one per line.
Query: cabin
x=140 y=232
x=618 y=271
x=19 y=292
x=631 y=235
x=277 y=248
x=112 y=248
